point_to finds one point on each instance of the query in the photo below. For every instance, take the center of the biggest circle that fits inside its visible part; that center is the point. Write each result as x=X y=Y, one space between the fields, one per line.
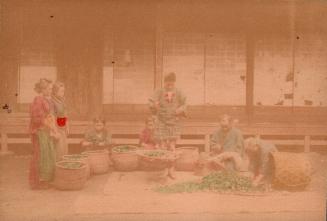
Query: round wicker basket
x=82 y=158
x=70 y=178
x=291 y=170
x=99 y=161
x=155 y=160
x=126 y=160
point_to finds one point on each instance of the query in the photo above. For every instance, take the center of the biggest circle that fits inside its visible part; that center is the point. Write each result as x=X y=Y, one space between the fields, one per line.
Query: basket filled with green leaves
x=124 y=157
x=70 y=175
x=80 y=158
x=156 y=159
x=99 y=161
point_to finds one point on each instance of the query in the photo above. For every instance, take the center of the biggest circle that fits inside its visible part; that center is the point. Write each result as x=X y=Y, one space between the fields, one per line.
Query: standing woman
x=169 y=106
x=42 y=132
x=59 y=111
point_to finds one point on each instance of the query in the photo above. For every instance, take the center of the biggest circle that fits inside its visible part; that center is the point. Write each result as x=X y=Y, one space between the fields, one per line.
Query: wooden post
x=250 y=50
x=306 y=144
x=158 y=49
x=4 y=145
x=207 y=143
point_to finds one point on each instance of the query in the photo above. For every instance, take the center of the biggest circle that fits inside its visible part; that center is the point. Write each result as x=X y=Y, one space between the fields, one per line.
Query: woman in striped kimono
x=168 y=105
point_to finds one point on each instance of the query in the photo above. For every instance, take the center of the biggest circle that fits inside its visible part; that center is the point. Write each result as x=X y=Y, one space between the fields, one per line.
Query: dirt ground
x=18 y=202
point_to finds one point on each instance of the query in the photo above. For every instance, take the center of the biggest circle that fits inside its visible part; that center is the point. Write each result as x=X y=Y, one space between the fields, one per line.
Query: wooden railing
x=15 y=131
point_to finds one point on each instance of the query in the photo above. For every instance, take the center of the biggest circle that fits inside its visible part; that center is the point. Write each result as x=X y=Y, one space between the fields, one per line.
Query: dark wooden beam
x=158 y=47
x=9 y=54
x=250 y=62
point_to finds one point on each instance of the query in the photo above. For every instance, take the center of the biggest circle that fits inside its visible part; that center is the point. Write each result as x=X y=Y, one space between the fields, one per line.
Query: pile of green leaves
x=75 y=156
x=71 y=165
x=124 y=148
x=154 y=153
x=225 y=181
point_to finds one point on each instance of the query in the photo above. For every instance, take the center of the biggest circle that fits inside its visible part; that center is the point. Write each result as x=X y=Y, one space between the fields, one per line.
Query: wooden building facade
x=261 y=61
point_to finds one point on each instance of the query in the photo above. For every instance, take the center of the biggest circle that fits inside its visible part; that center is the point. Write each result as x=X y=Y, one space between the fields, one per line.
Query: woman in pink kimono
x=42 y=132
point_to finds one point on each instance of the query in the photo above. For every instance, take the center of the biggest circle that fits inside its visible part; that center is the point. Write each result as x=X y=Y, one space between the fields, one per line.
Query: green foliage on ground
x=71 y=165
x=154 y=153
x=226 y=181
x=124 y=148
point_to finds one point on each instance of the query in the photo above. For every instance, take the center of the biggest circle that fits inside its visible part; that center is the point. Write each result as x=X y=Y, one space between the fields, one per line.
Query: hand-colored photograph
x=163 y=110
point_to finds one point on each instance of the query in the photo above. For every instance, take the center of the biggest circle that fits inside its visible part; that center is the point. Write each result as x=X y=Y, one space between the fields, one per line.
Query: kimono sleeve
x=108 y=139
x=264 y=164
x=266 y=160
x=182 y=101
x=240 y=143
x=214 y=139
x=39 y=110
x=142 y=137
x=153 y=100
x=89 y=136
x=155 y=97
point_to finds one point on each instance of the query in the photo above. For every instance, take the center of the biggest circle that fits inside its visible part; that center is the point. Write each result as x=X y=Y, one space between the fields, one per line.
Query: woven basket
x=156 y=163
x=291 y=170
x=99 y=161
x=81 y=158
x=125 y=161
x=188 y=159
x=70 y=178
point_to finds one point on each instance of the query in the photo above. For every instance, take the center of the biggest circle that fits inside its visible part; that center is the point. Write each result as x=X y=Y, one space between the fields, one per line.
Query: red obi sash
x=61 y=121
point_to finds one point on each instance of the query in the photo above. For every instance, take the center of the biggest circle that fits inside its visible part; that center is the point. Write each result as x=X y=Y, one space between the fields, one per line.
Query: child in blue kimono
x=97 y=137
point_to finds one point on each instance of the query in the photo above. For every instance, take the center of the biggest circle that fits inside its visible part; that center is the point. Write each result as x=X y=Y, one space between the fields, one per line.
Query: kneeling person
x=259 y=156
x=228 y=140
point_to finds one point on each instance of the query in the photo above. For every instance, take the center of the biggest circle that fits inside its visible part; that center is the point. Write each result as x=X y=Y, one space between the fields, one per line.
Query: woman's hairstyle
x=99 y=120
x=170 y=77
x=41 y=85
x=250 y=142
x=56 y=87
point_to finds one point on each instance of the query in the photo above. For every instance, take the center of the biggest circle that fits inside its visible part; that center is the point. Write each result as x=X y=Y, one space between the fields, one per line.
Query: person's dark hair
x=171 y=77
x=42 y=84
x=99 y=120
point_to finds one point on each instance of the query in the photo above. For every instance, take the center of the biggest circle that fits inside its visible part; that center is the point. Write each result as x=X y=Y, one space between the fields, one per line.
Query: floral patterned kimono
x=96 y=138
x=59 y=111
x=43 y=159
x=167 y=124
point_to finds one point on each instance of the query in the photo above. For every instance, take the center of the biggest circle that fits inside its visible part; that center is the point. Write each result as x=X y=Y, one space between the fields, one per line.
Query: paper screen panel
x=225 y=69
x=108 y=85
x=183 y=53
x=273 y=81
x=311 y=70
x=133 y=68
